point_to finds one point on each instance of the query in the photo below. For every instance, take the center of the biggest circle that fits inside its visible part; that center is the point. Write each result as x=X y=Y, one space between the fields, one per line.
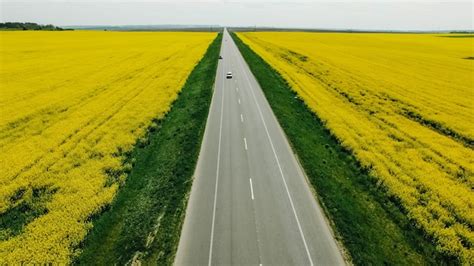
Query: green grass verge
x=146 y=217
x=370 y=225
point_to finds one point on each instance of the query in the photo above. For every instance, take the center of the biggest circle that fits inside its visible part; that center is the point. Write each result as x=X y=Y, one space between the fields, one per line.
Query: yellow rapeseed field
x=71 y=105
x=403 y=104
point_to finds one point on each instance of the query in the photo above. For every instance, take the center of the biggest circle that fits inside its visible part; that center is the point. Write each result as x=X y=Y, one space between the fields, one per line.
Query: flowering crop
x=72 y=104
x=403 y=104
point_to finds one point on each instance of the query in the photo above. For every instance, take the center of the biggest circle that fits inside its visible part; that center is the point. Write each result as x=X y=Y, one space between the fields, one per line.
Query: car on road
x=229 y=75
x=220 y=56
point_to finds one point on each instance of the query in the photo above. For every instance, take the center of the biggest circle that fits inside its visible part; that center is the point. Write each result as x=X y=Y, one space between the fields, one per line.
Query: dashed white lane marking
x=241 y=118
x=245 y=142
x=239 y=101
x=251 y=191
x=237 y=89
x=277 y=161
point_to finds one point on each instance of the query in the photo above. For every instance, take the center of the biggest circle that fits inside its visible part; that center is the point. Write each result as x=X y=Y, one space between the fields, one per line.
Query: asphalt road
x=250 y=203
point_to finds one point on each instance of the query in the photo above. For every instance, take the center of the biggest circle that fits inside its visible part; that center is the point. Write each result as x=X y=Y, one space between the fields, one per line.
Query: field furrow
x=403 y=105
x=68 y=120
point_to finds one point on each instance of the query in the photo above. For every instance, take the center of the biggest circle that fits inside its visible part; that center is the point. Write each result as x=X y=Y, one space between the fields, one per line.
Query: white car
x=229 y=75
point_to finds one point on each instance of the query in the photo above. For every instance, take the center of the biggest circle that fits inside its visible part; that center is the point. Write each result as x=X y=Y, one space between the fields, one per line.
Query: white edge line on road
x=217 y=175
x=278 y=162
x=241 y=118
x=245 y=142
x=251 y=189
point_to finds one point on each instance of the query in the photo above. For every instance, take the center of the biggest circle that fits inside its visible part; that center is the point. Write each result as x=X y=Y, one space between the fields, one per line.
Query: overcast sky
x=380 y=14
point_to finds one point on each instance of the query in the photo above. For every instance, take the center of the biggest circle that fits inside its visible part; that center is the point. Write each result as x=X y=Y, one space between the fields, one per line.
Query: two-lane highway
x=250 y=202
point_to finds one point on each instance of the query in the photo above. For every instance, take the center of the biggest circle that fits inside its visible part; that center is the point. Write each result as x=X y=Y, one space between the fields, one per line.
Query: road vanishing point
x=250 y=203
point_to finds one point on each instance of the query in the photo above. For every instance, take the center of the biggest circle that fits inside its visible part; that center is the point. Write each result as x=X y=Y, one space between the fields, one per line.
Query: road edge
x=416 y=249
x=144 y=222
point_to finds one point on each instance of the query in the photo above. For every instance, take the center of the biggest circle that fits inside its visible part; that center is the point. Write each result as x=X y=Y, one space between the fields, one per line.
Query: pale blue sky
x=381 y=14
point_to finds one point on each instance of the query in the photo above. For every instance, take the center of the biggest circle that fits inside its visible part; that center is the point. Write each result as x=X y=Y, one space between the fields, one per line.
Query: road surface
x=250 y=203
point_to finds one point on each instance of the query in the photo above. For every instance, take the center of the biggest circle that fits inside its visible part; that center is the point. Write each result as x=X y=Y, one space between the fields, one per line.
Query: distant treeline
x=27 y=26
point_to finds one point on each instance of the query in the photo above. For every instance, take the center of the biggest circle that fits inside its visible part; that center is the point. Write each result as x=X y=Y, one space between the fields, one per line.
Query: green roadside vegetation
x=144 y=221
x=370 y=225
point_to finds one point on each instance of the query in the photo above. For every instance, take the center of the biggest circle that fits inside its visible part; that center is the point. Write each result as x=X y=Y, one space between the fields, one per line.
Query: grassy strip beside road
x=371 y=226
x=145 y=219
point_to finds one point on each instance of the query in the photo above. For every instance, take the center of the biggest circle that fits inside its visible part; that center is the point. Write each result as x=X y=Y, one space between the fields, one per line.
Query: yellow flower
x=403 y=103
x=71 y=104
